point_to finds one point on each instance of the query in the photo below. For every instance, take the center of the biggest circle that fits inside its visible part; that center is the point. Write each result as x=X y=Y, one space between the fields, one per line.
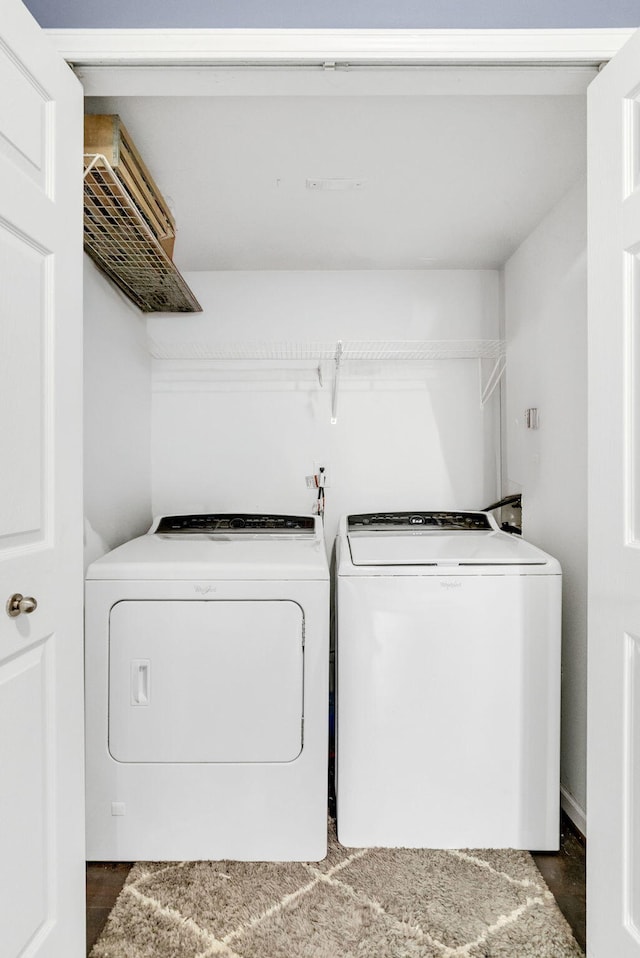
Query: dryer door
x=205 y=681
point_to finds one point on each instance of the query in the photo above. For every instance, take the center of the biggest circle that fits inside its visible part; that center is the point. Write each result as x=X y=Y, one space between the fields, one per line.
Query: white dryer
x=206 y=688
x=448 y=684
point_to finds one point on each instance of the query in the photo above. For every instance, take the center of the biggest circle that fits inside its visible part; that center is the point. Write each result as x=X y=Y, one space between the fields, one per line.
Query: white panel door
x=613 y=800
x=41 y=716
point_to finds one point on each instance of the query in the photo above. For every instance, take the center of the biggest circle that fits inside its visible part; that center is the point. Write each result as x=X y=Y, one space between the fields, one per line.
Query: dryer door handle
x=140 y=682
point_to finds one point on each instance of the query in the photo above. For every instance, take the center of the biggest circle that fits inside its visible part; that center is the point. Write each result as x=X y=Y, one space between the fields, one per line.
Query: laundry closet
x=391 y=266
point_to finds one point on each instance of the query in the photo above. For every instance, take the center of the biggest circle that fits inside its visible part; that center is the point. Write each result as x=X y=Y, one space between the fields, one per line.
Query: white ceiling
x=450 y=181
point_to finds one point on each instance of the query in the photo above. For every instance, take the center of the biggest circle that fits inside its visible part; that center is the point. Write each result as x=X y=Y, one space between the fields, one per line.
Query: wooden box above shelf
x=107 y=136
x=128 y=230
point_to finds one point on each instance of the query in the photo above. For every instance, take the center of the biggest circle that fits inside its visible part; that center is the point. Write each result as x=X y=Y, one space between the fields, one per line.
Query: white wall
x=406 y=437
x=545 y=286
x=117 y=425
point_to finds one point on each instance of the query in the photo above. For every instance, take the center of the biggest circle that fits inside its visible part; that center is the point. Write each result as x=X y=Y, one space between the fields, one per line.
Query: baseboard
x=571 y=808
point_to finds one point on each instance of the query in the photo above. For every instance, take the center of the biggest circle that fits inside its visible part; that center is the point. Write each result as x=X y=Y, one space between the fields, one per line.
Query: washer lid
x=461 y=538
x=442 y=548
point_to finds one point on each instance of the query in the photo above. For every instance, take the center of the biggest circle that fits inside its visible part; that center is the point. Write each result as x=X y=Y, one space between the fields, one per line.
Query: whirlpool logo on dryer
x=450 y=583
x=205 y=589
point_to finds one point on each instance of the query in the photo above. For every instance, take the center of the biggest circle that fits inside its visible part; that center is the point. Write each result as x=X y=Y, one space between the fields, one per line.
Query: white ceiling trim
x=405 y=47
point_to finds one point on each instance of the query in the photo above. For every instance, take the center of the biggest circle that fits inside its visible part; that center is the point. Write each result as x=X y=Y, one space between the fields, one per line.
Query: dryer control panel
x=236 y=522
x=381 y=521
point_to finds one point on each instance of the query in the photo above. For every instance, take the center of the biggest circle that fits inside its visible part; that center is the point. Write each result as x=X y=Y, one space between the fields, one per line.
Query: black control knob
x=237 y=523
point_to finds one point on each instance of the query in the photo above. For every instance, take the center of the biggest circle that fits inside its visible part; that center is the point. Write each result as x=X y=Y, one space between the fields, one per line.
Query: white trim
x=261 y=81
x=164 y=47
x=574 y=811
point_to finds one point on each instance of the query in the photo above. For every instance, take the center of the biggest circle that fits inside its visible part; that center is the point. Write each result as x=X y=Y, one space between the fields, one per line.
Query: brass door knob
x=17 y=604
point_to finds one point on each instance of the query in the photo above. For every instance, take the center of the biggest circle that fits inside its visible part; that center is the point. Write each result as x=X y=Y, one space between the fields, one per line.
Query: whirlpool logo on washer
x=205 y=589
x=450 y=583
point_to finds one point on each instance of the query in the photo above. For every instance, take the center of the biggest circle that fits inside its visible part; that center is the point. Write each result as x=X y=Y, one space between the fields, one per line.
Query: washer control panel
x=415 y=521
x=236 y=522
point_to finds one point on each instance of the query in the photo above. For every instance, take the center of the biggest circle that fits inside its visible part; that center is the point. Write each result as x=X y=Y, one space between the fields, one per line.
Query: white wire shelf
x=124 y=246
x=343 y=352
x=346 y=350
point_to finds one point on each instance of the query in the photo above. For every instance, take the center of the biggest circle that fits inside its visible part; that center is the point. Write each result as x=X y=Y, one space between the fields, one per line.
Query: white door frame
x=239 y=47
x=201 y=62
x=112 y=62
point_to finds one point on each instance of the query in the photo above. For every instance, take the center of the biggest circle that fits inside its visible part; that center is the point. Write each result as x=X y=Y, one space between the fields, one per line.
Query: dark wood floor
x=565 y=874
x=104 y=881
x=563 y=871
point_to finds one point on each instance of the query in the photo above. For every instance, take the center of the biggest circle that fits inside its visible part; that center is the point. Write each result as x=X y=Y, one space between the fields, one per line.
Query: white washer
x=448 y=684
x=206 y=678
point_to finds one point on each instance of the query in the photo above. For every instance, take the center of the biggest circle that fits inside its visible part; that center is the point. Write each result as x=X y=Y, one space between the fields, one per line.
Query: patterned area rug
x=371 y=903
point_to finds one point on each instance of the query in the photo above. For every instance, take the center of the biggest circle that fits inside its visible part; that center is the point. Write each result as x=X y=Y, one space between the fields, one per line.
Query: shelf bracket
x=487 y=391
x=336 y=381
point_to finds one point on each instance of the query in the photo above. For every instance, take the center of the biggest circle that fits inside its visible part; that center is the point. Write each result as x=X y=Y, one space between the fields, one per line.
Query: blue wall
x=388 y=14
